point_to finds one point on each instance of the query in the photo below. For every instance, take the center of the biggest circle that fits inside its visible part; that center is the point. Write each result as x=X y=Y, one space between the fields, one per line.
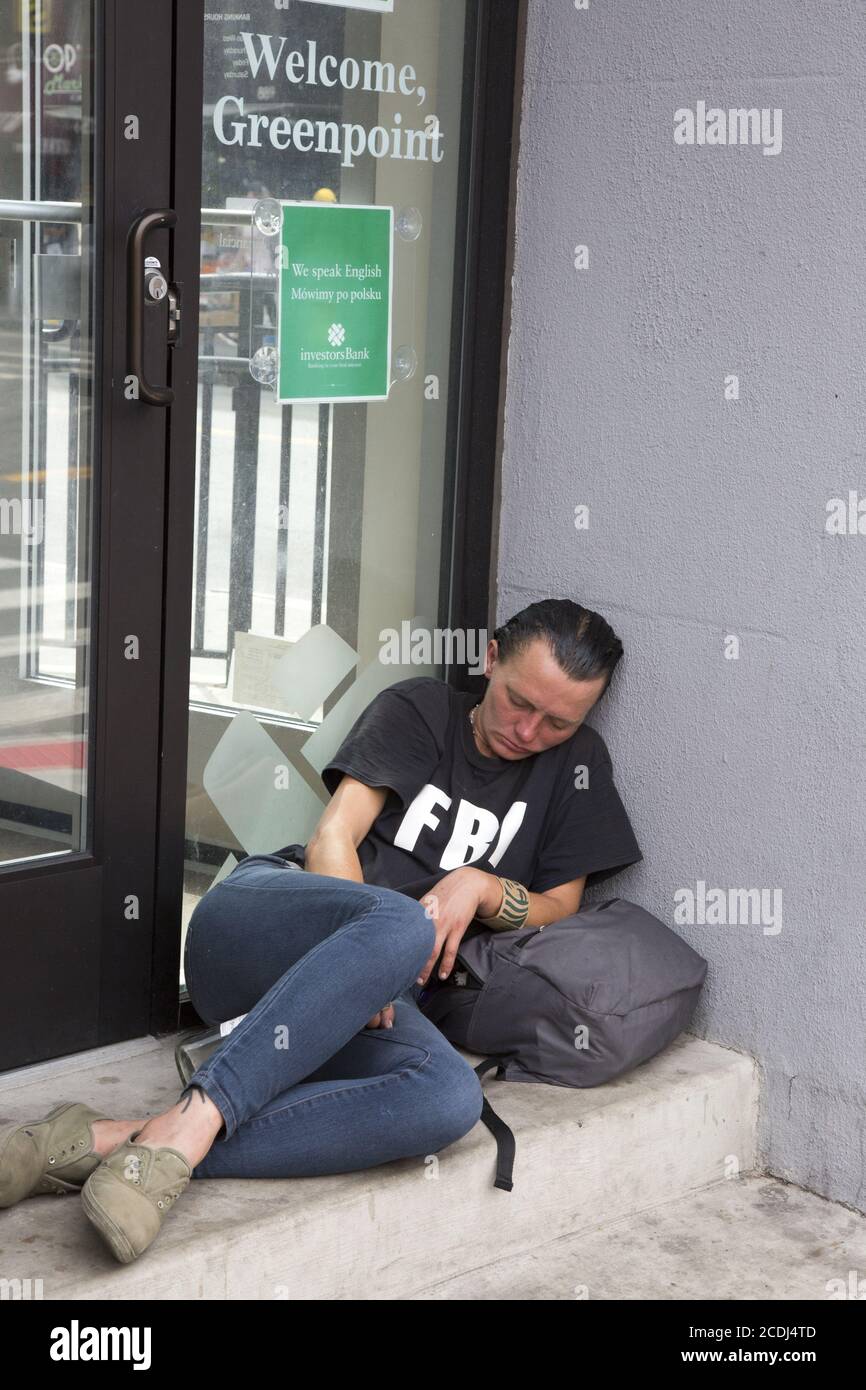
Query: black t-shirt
x=542 y=820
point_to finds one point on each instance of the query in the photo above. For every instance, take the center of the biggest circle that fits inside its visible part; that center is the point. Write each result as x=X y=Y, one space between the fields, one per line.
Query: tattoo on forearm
x=515 y=904
x=514 y=908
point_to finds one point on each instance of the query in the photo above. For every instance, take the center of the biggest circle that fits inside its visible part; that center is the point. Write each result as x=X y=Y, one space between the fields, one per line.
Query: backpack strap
x=505 y=1144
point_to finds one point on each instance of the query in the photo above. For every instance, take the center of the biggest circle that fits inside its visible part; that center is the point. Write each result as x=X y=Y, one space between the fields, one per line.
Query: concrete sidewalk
x=746 y=1238
x=628 y=1189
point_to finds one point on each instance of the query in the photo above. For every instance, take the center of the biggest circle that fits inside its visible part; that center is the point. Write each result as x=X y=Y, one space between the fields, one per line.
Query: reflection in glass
x=46 y=250
x=317 y=525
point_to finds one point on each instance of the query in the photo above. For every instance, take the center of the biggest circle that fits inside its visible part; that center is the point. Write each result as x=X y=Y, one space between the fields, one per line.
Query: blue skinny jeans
x=305 y=1088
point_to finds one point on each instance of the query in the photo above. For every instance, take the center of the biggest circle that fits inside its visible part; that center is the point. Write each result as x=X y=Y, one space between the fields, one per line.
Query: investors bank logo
x=335 y=298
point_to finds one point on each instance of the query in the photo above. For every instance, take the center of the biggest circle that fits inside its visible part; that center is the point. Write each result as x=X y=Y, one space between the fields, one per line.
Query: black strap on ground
x=505 y=1143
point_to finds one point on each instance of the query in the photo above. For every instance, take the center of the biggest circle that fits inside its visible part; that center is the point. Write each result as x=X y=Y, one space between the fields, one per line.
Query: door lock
x=146 y=286
x=173 y=314
x=157 y=288
x=155 y=283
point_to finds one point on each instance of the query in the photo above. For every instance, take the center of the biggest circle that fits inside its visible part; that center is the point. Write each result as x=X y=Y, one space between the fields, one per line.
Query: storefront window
x=322 y=520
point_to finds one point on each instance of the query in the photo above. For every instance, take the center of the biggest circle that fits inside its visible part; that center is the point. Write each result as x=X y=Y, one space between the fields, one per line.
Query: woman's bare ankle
x=109 y=1134
x=190 y=1126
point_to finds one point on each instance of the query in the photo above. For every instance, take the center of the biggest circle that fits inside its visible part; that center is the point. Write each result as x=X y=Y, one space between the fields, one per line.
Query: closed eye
x=559 y=725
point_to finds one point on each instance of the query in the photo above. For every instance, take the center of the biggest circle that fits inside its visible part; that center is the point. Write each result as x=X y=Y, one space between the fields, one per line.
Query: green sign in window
x=336 y=274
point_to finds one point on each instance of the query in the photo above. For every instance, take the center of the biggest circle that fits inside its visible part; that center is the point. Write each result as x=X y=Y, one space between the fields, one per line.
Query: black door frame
x=165 y=1004
x=481 y=297
x=480 y=289
x=77 y=934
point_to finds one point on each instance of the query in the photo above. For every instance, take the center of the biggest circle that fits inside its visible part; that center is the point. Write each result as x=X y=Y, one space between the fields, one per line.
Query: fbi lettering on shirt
x=476 y=832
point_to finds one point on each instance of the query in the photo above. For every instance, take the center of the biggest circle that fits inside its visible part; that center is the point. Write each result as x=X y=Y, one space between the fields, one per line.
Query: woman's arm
x=544 y=908
x=468 y=893
x=333 y=846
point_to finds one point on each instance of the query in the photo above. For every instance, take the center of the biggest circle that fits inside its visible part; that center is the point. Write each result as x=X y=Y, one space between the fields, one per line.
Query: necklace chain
x=472 y=724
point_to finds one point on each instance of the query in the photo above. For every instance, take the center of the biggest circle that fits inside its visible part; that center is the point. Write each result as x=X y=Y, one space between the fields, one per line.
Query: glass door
x=47 y=291
x=85 y=150
x=324 y=497
x=246 y=457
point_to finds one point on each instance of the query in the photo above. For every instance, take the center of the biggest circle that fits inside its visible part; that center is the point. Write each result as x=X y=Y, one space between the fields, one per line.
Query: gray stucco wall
x=707 y=515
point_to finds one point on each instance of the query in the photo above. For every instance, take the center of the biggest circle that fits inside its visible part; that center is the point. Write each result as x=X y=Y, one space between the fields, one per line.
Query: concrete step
x=682 y=1122
x=753 y=1237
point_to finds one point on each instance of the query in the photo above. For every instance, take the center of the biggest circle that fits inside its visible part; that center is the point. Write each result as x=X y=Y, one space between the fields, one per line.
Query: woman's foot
x=54 y=1154
x=190 y=1126
x=107 y=1134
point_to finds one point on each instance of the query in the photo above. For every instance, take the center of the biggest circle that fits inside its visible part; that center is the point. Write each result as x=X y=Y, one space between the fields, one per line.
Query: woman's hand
x=383 y=1019
x=457 y=898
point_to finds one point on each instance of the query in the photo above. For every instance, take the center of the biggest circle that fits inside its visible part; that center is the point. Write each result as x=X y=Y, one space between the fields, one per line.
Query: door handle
x=135 y=289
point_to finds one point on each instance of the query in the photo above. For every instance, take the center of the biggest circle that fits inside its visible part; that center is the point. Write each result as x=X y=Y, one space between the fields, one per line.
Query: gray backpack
x=574 y=1003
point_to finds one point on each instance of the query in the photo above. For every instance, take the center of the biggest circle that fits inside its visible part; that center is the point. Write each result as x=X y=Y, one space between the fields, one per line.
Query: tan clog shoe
x=51 y=1155
x=128 y=1196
